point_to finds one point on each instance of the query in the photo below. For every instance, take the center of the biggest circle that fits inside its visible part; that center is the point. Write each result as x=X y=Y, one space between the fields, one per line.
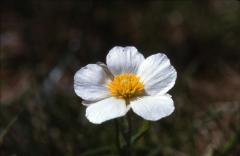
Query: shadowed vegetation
x=44 y=43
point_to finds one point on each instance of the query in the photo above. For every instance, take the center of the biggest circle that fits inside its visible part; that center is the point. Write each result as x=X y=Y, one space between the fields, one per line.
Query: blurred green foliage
x=43 y=43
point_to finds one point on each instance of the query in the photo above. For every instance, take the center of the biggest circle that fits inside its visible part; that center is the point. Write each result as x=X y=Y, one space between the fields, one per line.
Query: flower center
x=126 y=86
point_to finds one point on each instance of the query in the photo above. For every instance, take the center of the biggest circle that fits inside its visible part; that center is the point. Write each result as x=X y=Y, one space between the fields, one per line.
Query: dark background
x=44 y=43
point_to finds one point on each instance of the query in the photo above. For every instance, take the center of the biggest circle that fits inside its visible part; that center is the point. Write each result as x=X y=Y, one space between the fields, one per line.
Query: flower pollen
x=126 y=86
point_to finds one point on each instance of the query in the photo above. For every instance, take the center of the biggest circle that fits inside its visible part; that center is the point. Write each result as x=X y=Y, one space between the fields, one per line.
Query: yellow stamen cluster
x=126 y=86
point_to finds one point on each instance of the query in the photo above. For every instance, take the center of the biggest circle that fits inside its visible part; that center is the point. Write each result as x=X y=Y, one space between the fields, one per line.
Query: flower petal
x=157 y=74
x=106 y=109
x=153 y=107
x=90 y=83
x=124 y=60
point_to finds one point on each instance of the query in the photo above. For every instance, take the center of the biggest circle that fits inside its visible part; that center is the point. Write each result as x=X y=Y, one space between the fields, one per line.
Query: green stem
x=129 y=134
x=143 y=130
x=9 y=126
x=117 y=137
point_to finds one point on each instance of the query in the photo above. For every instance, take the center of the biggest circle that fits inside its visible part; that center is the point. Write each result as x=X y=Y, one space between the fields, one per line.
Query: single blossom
x=127 y=81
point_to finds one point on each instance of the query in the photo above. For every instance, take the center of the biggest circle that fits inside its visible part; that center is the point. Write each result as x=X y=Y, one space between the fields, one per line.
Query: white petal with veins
x=124 y=60
x=106 y=109
x=90 y=83
x=153 y=107
x=157 y=74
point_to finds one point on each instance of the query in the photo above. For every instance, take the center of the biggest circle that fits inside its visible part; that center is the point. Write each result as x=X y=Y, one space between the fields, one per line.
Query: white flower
x=127 y=81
